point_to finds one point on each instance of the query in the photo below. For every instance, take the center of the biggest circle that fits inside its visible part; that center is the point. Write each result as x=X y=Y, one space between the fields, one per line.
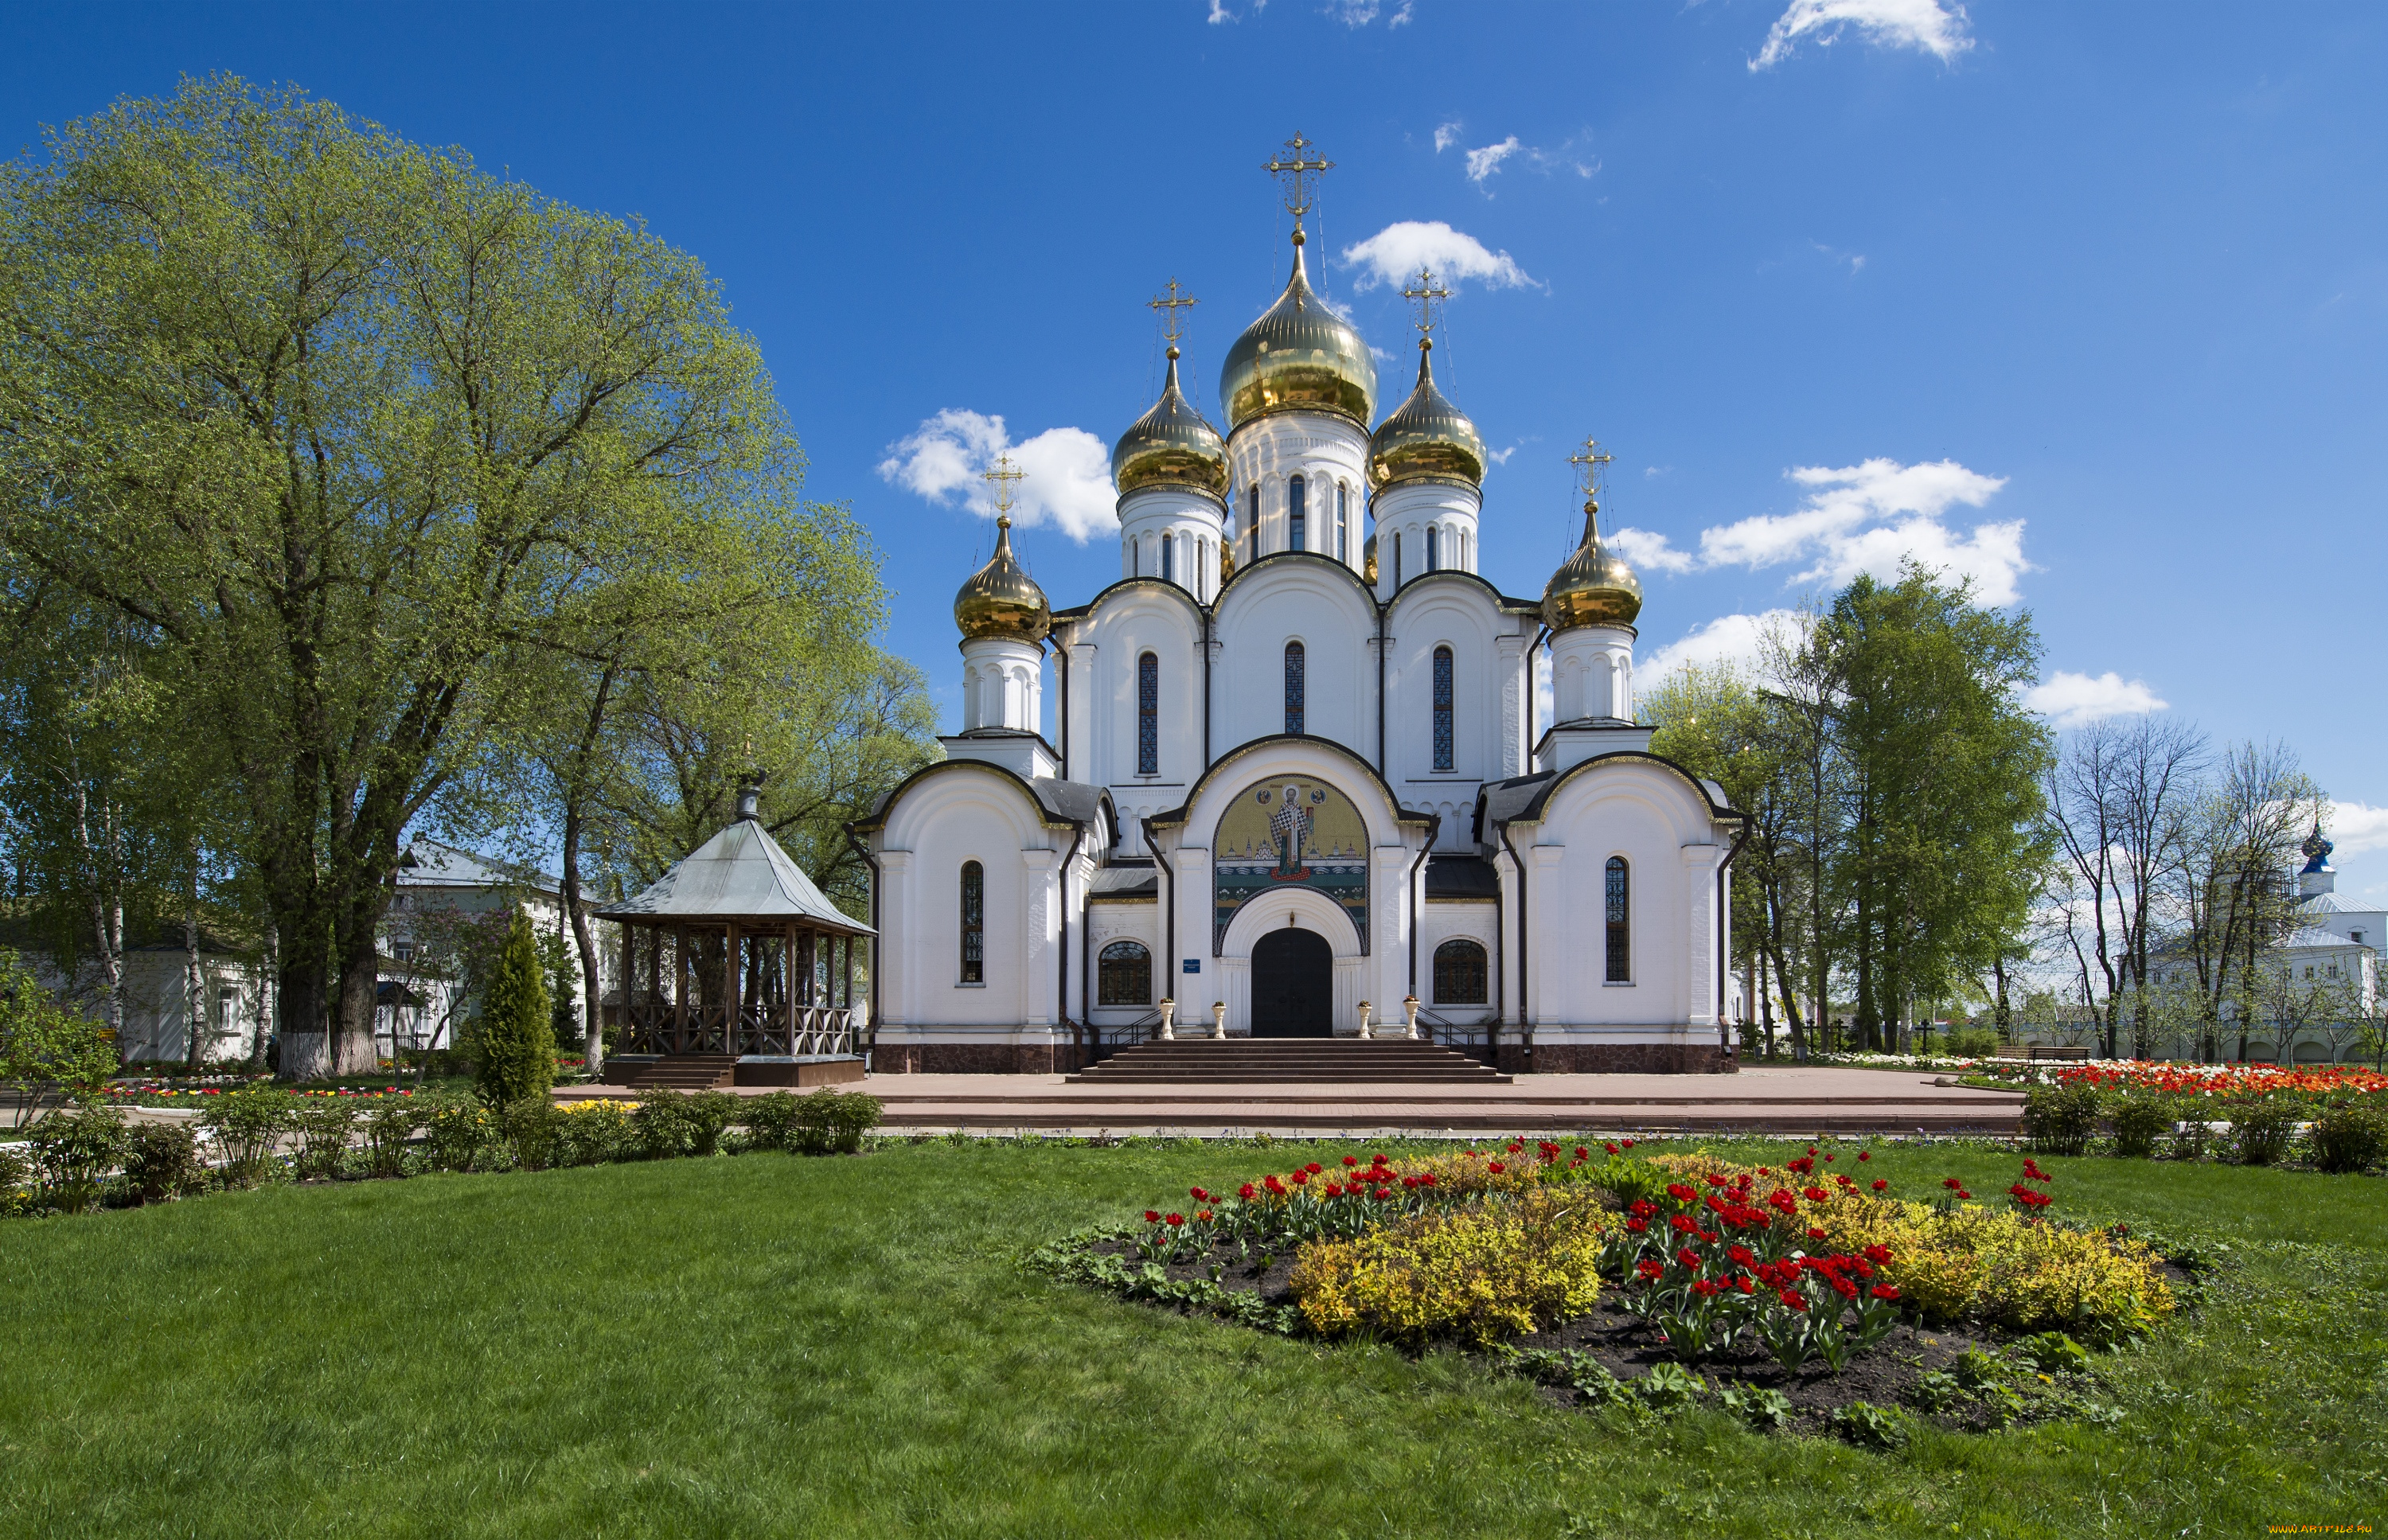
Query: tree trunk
x=592 y=990
x=195 y=993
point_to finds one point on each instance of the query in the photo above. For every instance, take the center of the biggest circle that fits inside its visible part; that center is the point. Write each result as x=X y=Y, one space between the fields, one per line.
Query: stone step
x=1287 y=1060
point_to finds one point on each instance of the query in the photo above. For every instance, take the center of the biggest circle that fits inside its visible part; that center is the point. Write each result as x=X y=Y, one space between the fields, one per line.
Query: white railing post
x=1410 y=1004
x=1168 y=1019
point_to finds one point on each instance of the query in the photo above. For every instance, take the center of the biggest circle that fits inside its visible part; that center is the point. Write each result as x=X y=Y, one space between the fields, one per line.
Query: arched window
x=1295 y=714
x=1123 y=975
x=1169 y=559
x=1434 y=547
x=1256 y=521
x=1443 y=757
x=1460 y=977
x=1397 y=558
x=1147 y=716
x=1342 y=520
x=1621 y=925
x=1297 y=514
x=973 y=923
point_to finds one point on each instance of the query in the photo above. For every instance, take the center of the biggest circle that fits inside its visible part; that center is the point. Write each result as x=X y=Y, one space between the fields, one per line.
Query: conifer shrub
x=2348 y=1136
x=2060 y=1119
x=2139 y=1120
x=515 y=1042
x=161 y=1162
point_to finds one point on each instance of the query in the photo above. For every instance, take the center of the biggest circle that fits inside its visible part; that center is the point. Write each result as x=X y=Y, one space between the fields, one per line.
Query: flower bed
x=1632 y=1279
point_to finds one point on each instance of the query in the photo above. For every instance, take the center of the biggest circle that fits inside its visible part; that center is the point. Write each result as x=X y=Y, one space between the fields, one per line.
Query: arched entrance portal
x=1293 y=985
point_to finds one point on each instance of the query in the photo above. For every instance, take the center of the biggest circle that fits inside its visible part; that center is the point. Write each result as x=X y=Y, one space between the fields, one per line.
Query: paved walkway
x=1760 y=1099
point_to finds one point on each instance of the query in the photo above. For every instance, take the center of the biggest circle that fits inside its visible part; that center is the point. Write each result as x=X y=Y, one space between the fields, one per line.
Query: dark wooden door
x=1293 y=985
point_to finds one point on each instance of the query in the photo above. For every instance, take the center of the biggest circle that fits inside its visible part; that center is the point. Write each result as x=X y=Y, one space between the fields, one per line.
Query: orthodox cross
x=1299 y=174
x=1428 y=294
x=1004 y=474
x=1171 y=327
x=1591 y=464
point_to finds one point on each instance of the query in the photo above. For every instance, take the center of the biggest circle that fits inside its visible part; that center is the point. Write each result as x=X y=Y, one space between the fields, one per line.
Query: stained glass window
x=1460 y=977
x=1443 y=757
x=1169 y=559
x=1123 y=975
x=1297 y=514
x=1621 y=932
x=1294 y=714
x=1147 y=716
x=1342 y=520
x=973 y=923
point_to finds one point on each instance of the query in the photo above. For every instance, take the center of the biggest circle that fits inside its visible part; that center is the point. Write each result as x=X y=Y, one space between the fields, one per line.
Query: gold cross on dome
x=1004 y=476
x=1171 y=326
x=1590 y=463
x=1299 y=174
x=1428 y=294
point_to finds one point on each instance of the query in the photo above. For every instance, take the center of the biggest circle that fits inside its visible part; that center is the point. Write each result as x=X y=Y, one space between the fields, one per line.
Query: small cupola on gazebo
x=736 y=970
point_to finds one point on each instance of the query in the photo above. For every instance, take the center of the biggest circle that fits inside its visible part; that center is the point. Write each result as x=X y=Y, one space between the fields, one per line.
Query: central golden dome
x=1000 y=600
x=1594 y=586
x=1426 y=437
x=1299 y=355
x=1171 y=445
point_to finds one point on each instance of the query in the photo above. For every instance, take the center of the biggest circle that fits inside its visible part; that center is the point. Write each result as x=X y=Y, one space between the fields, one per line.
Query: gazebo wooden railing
x=775 y=989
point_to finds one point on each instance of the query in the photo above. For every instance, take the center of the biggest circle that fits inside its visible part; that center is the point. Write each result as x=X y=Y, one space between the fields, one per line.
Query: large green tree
x=352 y=433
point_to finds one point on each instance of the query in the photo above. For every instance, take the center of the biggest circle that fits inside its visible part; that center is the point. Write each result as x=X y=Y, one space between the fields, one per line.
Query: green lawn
x=768 y=1345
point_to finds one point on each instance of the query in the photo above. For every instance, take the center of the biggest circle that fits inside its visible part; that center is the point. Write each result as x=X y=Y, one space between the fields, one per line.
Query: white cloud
x=1067 y=485
x=1445 y=136
x=1924 y=25
x=2355 y=829
x=1219 y=12
x=1394 y=254
x=1484 y=162
x=1727 y=641
x=1866 y=518
x=1402 y=16
x=1501 y=457
x=2077 y=700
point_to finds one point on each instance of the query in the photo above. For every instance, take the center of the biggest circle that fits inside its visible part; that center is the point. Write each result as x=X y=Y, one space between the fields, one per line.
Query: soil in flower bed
x=1885 y=1375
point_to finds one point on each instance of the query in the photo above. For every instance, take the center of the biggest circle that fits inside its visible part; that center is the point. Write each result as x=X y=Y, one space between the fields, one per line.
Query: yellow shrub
x=1480 y=1273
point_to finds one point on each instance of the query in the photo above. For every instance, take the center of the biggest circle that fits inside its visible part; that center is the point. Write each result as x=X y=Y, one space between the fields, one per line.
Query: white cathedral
x=1300 y=781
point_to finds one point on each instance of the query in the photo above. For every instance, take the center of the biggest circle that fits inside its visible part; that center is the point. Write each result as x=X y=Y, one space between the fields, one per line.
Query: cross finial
x=1003 y=476
x=1428 y=294
x=1590 y=464
x=1298 y=174
x=1172 y=327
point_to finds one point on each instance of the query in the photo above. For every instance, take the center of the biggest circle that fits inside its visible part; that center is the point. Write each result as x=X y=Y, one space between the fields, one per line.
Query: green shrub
x=1871 y=1426
x=2262 y=1129
x=323 y=1125
x=462 y=1136
x=831 y=1121
x=2139 y=1120
x=2348 y=1136
x=43 y=1042
x=533 y=1130
x=2189 y=1135
x=595 y=1132
x=74 y=1151
x=2060 y=1119
x=161 y=1162
x=515 y=1041
x=391 y=1124
x=670 y=1124
x=247 y=1126
x=1971 y=1043
x=772 y=1121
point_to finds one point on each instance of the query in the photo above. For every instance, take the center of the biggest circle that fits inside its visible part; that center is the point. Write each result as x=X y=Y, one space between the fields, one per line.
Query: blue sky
x=2089 y=301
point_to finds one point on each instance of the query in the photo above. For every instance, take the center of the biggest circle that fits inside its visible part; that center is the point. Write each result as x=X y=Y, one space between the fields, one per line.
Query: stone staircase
x=674 y=1072
x=1288 y=1061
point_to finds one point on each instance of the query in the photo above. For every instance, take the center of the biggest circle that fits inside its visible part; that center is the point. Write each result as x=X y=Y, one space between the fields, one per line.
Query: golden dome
x=1426 y=435
x=1368 y=561
x=1171 y=445
x=1000 y=600
x=1298 y=355
x=1595 y=586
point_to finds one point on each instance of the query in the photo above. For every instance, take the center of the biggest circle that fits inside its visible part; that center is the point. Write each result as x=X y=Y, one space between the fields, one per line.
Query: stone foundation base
x=975 y=1059
x=806 y=1072
x=1617 y=1058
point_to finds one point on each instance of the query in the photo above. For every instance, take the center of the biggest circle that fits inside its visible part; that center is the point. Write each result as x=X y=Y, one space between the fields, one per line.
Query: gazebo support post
x=680 y=988
x=733 y=973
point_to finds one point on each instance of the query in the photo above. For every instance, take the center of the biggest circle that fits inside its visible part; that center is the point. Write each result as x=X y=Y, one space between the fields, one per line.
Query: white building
x=1298 y=768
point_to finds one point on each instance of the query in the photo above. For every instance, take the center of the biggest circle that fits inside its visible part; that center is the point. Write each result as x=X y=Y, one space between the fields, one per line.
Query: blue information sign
x=1193 y=965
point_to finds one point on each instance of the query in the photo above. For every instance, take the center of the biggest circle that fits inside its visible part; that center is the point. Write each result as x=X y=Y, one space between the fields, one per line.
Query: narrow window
x=1297 y=514
x=973 y=923
x=1397 y=558
x=1460 y=976
x=1620 y=929
x=1294 y=689
x=1256 y=521
x=1137 y=547
x=1123 y=975
x=1434 y=547
x=1442 y=750
x=1147 y=716
x=1169 y=559
x=1342 y=520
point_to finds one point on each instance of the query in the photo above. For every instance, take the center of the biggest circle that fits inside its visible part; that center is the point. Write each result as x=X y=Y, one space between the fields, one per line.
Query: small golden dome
x=1171 y=445
x=1426 y=437
x=1000 y=600
x=1298 y=355
x=1595 y=586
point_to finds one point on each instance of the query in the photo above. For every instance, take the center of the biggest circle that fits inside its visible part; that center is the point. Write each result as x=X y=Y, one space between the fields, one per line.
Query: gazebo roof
x=741 y=873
